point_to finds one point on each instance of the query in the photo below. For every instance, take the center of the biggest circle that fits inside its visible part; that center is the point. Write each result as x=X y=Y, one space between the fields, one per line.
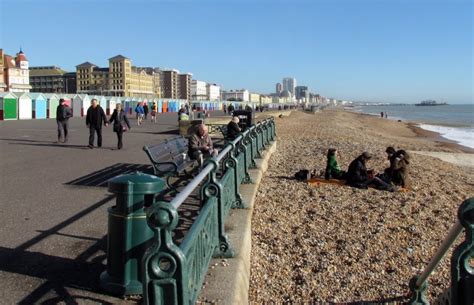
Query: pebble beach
x=336 y=244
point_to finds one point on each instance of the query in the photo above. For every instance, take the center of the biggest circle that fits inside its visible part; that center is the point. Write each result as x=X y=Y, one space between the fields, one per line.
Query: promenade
x=53 y=224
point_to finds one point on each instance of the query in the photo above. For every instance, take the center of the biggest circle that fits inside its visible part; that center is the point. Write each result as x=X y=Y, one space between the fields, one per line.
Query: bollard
x=128 y=233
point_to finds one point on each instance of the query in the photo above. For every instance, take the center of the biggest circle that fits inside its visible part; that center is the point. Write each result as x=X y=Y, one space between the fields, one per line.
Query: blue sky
x=375 y=50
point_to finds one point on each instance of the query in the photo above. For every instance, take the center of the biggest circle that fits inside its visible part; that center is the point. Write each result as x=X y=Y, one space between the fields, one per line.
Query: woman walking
x=154 y=110
x=121 y=123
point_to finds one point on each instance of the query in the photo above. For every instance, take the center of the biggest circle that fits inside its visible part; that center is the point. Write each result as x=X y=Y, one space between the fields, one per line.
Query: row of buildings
x=122 y=79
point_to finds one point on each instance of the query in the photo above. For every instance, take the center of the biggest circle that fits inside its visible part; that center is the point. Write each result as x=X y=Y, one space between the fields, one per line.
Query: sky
x=398 y=51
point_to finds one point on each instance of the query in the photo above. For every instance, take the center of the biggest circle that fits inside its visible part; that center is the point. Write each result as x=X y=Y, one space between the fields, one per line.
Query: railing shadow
x=101 y=177
x=60 y=273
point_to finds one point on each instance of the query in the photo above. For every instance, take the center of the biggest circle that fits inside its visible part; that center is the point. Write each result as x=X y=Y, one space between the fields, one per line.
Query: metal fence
x=461 y=291
x=173 y=274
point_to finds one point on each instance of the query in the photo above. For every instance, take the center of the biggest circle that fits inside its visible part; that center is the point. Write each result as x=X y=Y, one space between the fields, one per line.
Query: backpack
x=303 y=175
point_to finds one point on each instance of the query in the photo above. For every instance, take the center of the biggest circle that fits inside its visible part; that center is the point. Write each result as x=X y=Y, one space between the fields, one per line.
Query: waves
x=462 y=135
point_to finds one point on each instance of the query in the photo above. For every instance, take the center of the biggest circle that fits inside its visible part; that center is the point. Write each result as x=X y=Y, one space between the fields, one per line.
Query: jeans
x=119 y=138
x=92 y=131
x=63 y=127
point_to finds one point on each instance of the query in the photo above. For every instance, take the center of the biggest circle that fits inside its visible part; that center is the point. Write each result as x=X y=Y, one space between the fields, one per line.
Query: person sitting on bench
x=200 y=145
x=233 y=129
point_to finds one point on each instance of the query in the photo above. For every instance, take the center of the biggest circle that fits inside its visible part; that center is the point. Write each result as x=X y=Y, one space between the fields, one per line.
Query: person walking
x=121 y=123
x=94 y=119
x=63 y=113
x=145 y=110
x=140 y=113
x=154 y=110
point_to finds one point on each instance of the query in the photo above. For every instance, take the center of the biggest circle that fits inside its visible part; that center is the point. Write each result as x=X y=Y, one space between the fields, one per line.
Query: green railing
x=174 y=274
x=462 y=262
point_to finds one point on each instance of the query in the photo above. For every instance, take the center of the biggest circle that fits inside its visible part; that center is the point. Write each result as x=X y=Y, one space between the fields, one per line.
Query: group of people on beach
x=357 y=175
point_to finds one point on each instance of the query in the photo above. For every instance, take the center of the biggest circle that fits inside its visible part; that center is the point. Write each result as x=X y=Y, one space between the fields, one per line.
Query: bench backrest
x=171 y=150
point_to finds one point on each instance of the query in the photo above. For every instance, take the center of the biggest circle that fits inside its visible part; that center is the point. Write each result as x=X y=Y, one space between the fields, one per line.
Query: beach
x=332 y=243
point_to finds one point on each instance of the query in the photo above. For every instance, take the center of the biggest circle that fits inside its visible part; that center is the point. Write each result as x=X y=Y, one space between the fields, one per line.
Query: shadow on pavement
x=57 y=145
x=101 y=177
x=171 y=132
x=59 y=272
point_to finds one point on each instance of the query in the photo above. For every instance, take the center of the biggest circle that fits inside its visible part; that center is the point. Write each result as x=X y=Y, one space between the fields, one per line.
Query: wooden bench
x=169 y=158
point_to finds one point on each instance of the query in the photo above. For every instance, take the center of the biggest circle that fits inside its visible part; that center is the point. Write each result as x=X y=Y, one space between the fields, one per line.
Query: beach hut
x=39 y=105
x=25 y=108
x=111 y=102
x=82 y=103
x=127 y=106
x=160 y=106
x=52 y=102
x=8 y=106
x=76 y=105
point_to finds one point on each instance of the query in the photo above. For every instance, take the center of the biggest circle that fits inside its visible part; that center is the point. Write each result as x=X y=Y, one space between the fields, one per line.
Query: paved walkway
x=53 y=224
x=52 y=231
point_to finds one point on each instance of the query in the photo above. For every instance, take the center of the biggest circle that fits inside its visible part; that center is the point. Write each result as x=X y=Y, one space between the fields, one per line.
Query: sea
x=453 y=122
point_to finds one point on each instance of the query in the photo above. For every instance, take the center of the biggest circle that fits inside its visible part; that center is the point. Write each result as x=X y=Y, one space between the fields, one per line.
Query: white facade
x=236 y=95
x=18 y=74
x=289 y=83
x=198 y=90
x=213 y=92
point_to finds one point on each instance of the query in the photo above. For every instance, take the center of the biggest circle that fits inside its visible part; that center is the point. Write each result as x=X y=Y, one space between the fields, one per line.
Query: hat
x=366 y=155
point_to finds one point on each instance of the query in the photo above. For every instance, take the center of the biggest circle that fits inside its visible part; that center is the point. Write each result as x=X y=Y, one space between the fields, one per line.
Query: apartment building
x=169 y=83
x=198 y=90
x=119 y=79
x=184 y=86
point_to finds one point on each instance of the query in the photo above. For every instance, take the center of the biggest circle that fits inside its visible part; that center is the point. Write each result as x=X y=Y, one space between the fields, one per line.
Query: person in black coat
x=63 y=113
x=145 y=110
x=120 y=123
x=357 y=175
x=233 y=129
x=94 y=119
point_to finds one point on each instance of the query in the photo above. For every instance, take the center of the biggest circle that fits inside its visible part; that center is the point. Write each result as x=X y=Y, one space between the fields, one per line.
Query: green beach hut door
x=10 y=108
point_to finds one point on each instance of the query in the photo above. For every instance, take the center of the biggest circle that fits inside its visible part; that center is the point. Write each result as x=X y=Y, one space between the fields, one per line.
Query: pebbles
x=338 y=244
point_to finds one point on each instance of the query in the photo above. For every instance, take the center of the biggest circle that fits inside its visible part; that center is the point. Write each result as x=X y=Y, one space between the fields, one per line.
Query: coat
x=233 y=130
x=333 y=170
x=96 y=119
x=400 y=170
x=197 y=143
x=63 y=113
x=120 y=120
x=357 y=173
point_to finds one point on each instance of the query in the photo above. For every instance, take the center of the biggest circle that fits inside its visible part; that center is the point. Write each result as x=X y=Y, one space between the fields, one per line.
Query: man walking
x=63 y=113
x=94 y=119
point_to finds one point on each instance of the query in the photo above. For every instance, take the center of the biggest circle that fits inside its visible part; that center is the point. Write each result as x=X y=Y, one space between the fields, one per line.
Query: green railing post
x=254 y=141
x=165 y=275
x=462 y=269
x=248 y=141
x=273 y=128
x=259 y=130
x=213 y=188
x=418 y=292
x=128 y=234
x=242 y=151
x=233 y=164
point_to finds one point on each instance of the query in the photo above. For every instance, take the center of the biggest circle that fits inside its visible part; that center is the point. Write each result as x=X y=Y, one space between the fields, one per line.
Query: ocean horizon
x=453 y=122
